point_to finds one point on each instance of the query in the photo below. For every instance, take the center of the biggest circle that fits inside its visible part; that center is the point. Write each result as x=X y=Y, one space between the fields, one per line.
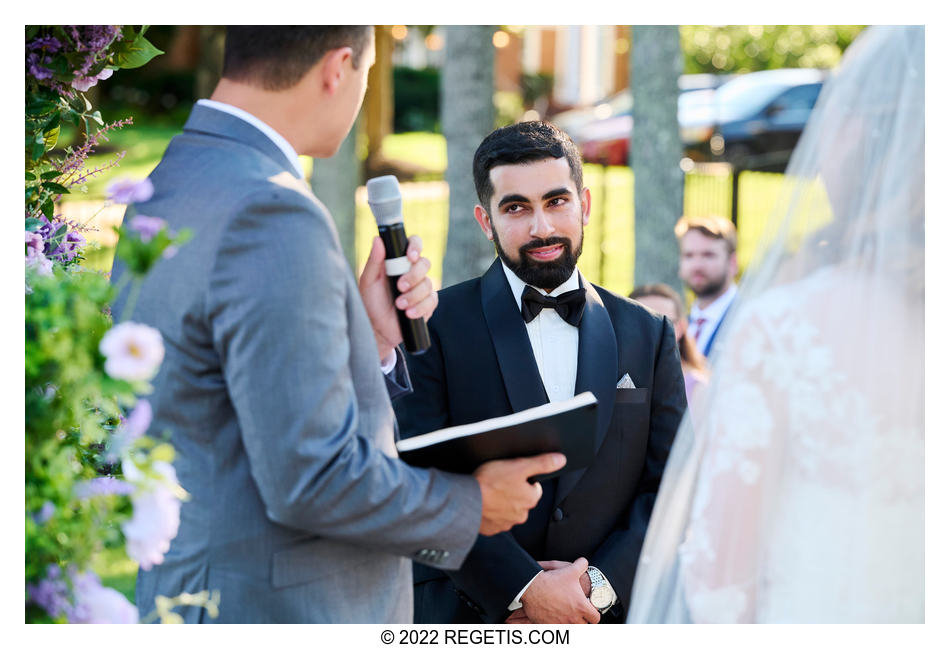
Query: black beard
x=547 y=275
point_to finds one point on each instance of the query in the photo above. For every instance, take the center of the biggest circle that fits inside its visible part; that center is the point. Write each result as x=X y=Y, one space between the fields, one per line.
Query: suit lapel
x=596 y=369
x=506 y=327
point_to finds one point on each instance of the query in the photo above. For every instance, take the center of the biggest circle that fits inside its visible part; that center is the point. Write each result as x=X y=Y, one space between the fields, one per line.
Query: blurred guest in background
x=665 y=301
x=708 y=266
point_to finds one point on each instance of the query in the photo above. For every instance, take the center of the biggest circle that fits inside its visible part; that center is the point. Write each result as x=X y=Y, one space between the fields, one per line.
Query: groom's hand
x=507 y=496
x=556 y=595
x=417 y=296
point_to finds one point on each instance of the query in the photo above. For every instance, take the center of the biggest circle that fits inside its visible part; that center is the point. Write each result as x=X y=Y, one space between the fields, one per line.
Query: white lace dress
x=808 y=504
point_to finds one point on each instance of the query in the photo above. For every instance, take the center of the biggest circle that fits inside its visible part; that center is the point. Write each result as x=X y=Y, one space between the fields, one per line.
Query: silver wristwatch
x=602 y=595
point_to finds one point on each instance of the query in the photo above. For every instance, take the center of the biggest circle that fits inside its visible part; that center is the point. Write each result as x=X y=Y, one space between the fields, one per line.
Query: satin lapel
x=519 y=370
x=596 y=372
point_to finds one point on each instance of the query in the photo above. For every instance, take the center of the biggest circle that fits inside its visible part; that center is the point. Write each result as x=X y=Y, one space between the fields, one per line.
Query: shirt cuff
x=390 y=363
x=516 y=602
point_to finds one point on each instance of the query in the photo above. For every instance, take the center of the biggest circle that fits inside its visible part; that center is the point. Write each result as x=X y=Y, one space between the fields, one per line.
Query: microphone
x=385 y=201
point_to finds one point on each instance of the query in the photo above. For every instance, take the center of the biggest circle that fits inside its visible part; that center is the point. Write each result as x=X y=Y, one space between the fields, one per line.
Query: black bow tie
x=569 y=305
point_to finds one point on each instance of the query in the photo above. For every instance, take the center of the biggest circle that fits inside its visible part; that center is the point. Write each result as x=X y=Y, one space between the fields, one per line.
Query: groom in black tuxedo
x=529 y=331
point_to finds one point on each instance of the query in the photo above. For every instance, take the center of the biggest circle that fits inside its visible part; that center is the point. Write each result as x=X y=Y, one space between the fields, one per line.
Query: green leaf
x=30 y=176
x=136 y=53
x=40 y=108
x=49 y=175
x=39 y=148
x=48 y=209
x=50 y=137
x=56 y=188
x=97 y=117
x=32 y=225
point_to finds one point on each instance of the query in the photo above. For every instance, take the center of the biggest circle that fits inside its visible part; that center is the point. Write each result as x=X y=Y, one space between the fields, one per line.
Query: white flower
x=133 y=351
x=96 y=604
x=156 y=513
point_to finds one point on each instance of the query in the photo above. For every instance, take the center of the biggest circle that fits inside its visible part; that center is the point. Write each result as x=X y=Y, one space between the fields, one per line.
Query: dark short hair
x=519 y=144
x=712 y=226
x=276 y=57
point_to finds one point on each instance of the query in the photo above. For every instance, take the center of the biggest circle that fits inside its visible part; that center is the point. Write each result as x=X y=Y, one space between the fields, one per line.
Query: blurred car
x=752 y=120
x=759 y=118
x=575 y=121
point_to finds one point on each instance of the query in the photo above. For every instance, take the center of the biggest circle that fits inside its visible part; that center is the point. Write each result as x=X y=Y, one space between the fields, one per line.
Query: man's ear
x=484 y=221
x=333 y=66
x=585 y=205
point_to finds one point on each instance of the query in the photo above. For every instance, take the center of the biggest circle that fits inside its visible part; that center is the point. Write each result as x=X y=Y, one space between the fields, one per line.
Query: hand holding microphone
x=403 y=269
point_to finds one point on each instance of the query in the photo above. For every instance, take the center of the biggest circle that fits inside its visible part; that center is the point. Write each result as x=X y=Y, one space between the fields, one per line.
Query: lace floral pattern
x=800 y=539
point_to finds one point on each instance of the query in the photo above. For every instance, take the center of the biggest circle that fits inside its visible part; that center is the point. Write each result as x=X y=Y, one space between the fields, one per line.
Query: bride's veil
x=794 y=492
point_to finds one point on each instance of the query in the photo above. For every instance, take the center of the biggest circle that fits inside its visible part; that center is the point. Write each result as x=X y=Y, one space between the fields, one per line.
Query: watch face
x=600 y=597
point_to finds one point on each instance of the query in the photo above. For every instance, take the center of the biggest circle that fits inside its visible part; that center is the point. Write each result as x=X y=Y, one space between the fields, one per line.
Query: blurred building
x=586 y=62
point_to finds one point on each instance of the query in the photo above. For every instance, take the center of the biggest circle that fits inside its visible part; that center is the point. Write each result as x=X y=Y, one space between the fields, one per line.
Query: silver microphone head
x=385 y=199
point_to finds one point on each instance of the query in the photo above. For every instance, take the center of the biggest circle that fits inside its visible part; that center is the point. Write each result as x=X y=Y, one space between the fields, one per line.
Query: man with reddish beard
x=708 y=266
x=529 y=331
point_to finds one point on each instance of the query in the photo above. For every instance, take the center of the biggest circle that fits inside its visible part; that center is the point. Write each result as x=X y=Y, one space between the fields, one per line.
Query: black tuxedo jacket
x=481 y=365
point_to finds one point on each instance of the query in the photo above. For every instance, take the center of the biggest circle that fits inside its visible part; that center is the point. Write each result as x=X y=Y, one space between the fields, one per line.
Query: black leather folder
x=567 y=427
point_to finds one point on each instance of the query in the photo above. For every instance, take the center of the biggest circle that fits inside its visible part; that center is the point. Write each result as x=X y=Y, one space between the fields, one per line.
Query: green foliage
x=71 y=406
x=76 y=443
x=60 y=61
x=748 y=48
x=415 y=99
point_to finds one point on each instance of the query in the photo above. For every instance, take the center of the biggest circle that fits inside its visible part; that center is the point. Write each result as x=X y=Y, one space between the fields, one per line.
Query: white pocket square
x=626 y=383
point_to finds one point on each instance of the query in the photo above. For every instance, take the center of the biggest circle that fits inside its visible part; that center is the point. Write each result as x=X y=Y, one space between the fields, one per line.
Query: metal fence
x=608 y=257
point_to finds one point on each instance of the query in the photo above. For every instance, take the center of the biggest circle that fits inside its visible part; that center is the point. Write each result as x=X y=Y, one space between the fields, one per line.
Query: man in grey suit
x=273 y=382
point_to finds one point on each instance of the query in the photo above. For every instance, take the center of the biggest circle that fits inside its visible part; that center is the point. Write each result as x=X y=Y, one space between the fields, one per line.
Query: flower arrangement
x=94 y=480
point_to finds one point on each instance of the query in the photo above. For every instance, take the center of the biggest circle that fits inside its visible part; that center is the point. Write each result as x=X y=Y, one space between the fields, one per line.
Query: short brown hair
x=276 y=57
x=715 y=227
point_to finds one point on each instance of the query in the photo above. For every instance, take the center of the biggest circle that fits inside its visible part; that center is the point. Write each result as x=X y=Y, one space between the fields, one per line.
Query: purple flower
x=138 y=420
x=82 y=84
x=46 y=512
x=51 y=593
x=39 y=263
x=96 y=604
x=49 y=43
x=104 y=486
x=156 y=513
x=146 y=226
x=127 y=190
x=37 y=71
x=92 y=38
x=34 y=243
x=69 y=247
x=130 y=429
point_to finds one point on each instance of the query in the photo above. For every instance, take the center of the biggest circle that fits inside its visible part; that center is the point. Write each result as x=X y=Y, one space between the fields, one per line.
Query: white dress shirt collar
x=517 y=285
x=715 y=311
x=273 y=135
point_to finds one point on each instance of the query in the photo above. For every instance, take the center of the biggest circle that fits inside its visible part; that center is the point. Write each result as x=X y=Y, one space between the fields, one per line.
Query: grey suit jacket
x=272 y=392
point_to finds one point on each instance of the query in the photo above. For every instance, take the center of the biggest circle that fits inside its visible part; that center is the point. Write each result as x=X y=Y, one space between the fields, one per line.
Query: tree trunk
x=655 y=153
x=334 y=181
x=467 y=114
x=378 y=105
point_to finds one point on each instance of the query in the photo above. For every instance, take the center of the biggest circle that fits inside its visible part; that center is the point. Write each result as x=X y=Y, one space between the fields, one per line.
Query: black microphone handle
x=415 y=333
